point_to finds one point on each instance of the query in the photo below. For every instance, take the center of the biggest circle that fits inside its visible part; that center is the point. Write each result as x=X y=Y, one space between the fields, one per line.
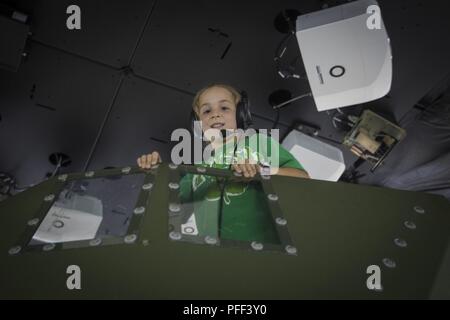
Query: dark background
x=117 y=88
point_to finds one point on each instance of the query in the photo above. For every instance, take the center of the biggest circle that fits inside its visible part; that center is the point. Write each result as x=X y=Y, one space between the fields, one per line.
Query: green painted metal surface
x=339 y=230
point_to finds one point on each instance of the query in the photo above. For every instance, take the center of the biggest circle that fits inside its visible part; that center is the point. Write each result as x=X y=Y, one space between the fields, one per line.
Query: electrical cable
x=281 y=105
x=58 y=166
x=289 y=71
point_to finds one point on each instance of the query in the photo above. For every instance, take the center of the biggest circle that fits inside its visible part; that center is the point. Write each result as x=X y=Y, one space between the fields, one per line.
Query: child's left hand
x=247 y=169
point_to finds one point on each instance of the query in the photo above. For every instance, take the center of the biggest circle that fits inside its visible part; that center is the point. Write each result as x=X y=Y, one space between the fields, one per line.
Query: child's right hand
x=150 y=160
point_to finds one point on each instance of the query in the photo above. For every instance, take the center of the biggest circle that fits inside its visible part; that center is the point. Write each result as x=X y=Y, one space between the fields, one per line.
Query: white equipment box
x=346 y=53
x=322 y=161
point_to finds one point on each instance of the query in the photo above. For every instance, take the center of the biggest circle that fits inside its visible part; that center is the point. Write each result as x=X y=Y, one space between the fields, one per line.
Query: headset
x=243 y=115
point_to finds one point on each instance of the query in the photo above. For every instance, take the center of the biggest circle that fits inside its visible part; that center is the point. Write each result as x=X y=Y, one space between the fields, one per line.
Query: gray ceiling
x=117 y=88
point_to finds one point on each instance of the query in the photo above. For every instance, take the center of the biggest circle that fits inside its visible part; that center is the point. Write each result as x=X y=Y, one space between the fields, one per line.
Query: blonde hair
x=236 y=95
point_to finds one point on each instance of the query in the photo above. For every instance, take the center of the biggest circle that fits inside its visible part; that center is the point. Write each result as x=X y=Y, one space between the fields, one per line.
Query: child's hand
x=247 y=169
x=150 y=160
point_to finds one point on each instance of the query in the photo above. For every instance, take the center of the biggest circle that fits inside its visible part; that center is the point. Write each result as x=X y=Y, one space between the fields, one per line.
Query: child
x=215 y=107
x=236 y=211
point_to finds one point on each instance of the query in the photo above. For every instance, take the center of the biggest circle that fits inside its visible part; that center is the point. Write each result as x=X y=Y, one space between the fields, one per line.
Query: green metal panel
x=339 y=230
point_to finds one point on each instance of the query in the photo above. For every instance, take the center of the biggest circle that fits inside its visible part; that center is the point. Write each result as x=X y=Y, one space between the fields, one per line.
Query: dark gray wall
x=118 y=87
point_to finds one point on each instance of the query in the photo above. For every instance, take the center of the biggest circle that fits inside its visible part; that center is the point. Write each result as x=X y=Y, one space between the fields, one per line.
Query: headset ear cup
x=248 y=116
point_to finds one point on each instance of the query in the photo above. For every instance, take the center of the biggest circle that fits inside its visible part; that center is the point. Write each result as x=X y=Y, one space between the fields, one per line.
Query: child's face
x=217 y=109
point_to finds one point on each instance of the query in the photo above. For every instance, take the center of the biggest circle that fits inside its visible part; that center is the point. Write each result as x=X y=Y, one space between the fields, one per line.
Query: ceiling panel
x=53 y=104
x=204 y=42
x=109 y=31
x=142 y=120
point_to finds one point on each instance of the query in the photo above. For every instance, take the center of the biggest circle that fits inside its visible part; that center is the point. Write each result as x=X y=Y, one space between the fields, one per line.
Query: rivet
x=129 y=239
x=389 y=263
x=126 y=170
x=15 y=250
x=33 y=222
x=211 y=240
x=257 y=246
x=419 y=210
x=89 y=174
x=410 y=225
x=49 y=198
x=291 y=250
x=147 y=186
x=63 y=177
x=49 y=247
x=400 y=243
x=201 y=169
x=175 y=235
x=139 y=210
x=95 y=242
x=174 y=186
x=173 y=207
x=281 y=221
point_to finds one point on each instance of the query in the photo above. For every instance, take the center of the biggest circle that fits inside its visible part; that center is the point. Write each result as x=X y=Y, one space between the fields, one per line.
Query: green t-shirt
x=245 y=213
